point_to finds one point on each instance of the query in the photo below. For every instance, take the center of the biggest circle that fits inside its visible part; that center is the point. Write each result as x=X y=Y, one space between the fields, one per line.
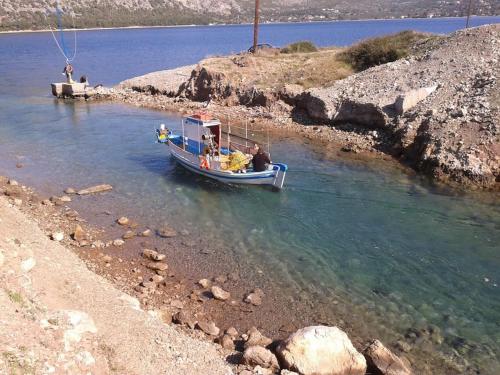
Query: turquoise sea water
x=410 y=253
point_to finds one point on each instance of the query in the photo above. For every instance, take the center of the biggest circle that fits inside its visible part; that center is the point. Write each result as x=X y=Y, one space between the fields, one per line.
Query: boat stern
x=279 y=178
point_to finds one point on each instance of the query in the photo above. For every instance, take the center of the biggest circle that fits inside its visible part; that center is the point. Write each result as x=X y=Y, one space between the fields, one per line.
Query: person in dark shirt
x=260 y=160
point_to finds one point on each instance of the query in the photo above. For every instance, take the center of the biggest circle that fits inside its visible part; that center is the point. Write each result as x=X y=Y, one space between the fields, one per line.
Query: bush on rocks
x=381 y=50
x=300 y=47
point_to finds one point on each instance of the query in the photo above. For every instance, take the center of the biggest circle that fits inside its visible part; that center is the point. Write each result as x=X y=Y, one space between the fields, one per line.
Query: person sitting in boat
x=68 y=71
x=162 y=133
x=260 y=160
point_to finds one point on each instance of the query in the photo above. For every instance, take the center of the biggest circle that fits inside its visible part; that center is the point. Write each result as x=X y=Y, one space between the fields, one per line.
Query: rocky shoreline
x=246 y=353
x=436 y=110
x=200 y=307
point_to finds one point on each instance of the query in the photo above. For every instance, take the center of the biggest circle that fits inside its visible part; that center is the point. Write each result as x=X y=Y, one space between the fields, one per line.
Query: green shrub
x=300 y=47
x=377 y=51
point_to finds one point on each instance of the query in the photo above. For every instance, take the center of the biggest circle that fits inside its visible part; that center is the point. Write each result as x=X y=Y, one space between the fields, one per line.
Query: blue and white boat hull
x=274 y=176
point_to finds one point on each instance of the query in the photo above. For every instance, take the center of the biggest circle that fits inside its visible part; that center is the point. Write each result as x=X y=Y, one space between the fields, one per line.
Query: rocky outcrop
x=439 y=106
x=437 y=110
x=321 y=350
x=166 y=82
x=381 y=361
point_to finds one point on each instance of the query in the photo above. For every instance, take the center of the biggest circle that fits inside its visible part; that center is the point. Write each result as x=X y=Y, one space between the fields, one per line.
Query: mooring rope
x=62 y=46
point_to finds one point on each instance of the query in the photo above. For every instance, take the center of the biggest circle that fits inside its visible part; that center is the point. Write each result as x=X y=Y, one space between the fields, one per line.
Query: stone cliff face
x=440 y=106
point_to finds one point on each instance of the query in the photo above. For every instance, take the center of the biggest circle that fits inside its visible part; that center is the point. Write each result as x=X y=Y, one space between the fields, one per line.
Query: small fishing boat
x=204 y=148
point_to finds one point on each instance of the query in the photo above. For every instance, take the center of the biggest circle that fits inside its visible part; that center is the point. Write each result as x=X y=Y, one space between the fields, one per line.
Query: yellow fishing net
x=234 y=162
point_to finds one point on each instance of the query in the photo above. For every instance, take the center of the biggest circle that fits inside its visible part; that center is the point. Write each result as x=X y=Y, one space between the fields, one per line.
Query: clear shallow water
x=408 y=253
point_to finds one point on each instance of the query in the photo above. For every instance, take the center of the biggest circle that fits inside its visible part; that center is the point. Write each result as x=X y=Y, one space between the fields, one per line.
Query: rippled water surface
x=410 y=254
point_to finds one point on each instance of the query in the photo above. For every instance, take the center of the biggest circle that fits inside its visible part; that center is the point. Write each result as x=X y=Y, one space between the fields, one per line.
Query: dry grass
x=273 y=69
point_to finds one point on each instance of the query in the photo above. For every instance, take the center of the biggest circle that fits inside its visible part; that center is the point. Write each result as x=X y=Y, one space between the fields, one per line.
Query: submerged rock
x=70 y=191
x=95 y=189
x=128 y=235
x=382 y=361
x=255 y=297
x=146 y=233
x=321 y=350
x=166 y=232
x=123 y=220
x=153 y=255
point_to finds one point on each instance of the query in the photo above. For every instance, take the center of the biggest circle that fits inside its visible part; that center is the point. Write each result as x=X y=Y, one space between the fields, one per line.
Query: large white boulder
x=321 y=350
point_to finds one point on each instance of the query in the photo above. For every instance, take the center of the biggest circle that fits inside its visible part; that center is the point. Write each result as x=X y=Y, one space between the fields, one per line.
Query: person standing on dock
x=68 y=71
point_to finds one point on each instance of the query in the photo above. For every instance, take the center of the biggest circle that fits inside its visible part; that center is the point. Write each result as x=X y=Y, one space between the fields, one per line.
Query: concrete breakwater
x=436 y=110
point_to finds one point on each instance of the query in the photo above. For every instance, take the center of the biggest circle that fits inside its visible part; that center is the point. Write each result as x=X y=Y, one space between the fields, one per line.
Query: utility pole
x=256 y=27
x=468 y=14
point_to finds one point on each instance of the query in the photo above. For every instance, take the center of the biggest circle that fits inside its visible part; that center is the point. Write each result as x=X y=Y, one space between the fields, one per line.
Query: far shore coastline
x=27 y=31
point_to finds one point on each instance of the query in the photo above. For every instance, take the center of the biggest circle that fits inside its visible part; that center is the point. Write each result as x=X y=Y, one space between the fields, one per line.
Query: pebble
x=220 y=293
x=70 y=191
x=57 y=236
x=204 y=283
x=220 y=279
x=65 y=199
x=208 y=327
x=123 y=220
x=128 y=235
x=255 y=297
x=157 y=278
x=146 y=233
x=231 y=331
x=185 y=318
x=166 y=232
x=13 y=183
x=177 y=304
x=79 y=234
x=28 y=264
x=226 y=341
x=118 y=242
x=156 y=266
x=153 y=255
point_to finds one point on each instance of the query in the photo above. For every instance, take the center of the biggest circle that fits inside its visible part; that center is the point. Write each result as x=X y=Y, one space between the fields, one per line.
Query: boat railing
x=247 y=137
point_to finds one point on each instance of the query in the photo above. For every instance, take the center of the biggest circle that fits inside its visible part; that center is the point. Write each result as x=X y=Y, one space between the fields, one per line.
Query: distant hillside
x=39 y=14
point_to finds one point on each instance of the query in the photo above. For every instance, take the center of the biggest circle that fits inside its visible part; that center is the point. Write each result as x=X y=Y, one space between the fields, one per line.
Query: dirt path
x=58 y=317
